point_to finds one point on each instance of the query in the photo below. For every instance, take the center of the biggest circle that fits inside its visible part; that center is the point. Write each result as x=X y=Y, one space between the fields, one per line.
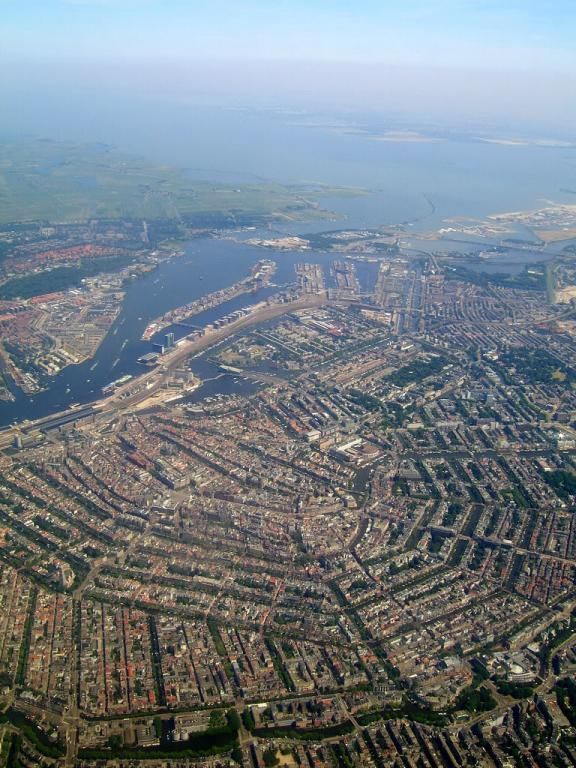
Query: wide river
x=420 y=183
x=208 y=264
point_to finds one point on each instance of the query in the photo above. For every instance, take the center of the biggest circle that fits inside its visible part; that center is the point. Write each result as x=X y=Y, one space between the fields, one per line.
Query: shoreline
x=143 y=387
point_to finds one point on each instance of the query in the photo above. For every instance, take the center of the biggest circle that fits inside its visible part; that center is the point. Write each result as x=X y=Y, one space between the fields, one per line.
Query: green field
x=62 y=182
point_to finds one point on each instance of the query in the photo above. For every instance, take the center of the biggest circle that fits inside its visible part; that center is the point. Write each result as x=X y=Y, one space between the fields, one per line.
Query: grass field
x=62 y=182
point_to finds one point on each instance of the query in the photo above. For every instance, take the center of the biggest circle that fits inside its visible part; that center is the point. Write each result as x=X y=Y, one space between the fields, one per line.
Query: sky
x=482 y=33
x=486 y=55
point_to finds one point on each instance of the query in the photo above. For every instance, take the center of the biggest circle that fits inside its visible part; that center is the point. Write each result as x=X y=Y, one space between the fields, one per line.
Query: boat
x=229 y=369
x=113 y=386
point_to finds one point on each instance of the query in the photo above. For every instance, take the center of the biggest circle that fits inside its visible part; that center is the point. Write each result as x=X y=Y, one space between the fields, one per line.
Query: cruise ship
x=113 y=386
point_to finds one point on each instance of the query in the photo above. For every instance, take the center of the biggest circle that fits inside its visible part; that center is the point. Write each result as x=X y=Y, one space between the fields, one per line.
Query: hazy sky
x=517 y=33
x=487 y=55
